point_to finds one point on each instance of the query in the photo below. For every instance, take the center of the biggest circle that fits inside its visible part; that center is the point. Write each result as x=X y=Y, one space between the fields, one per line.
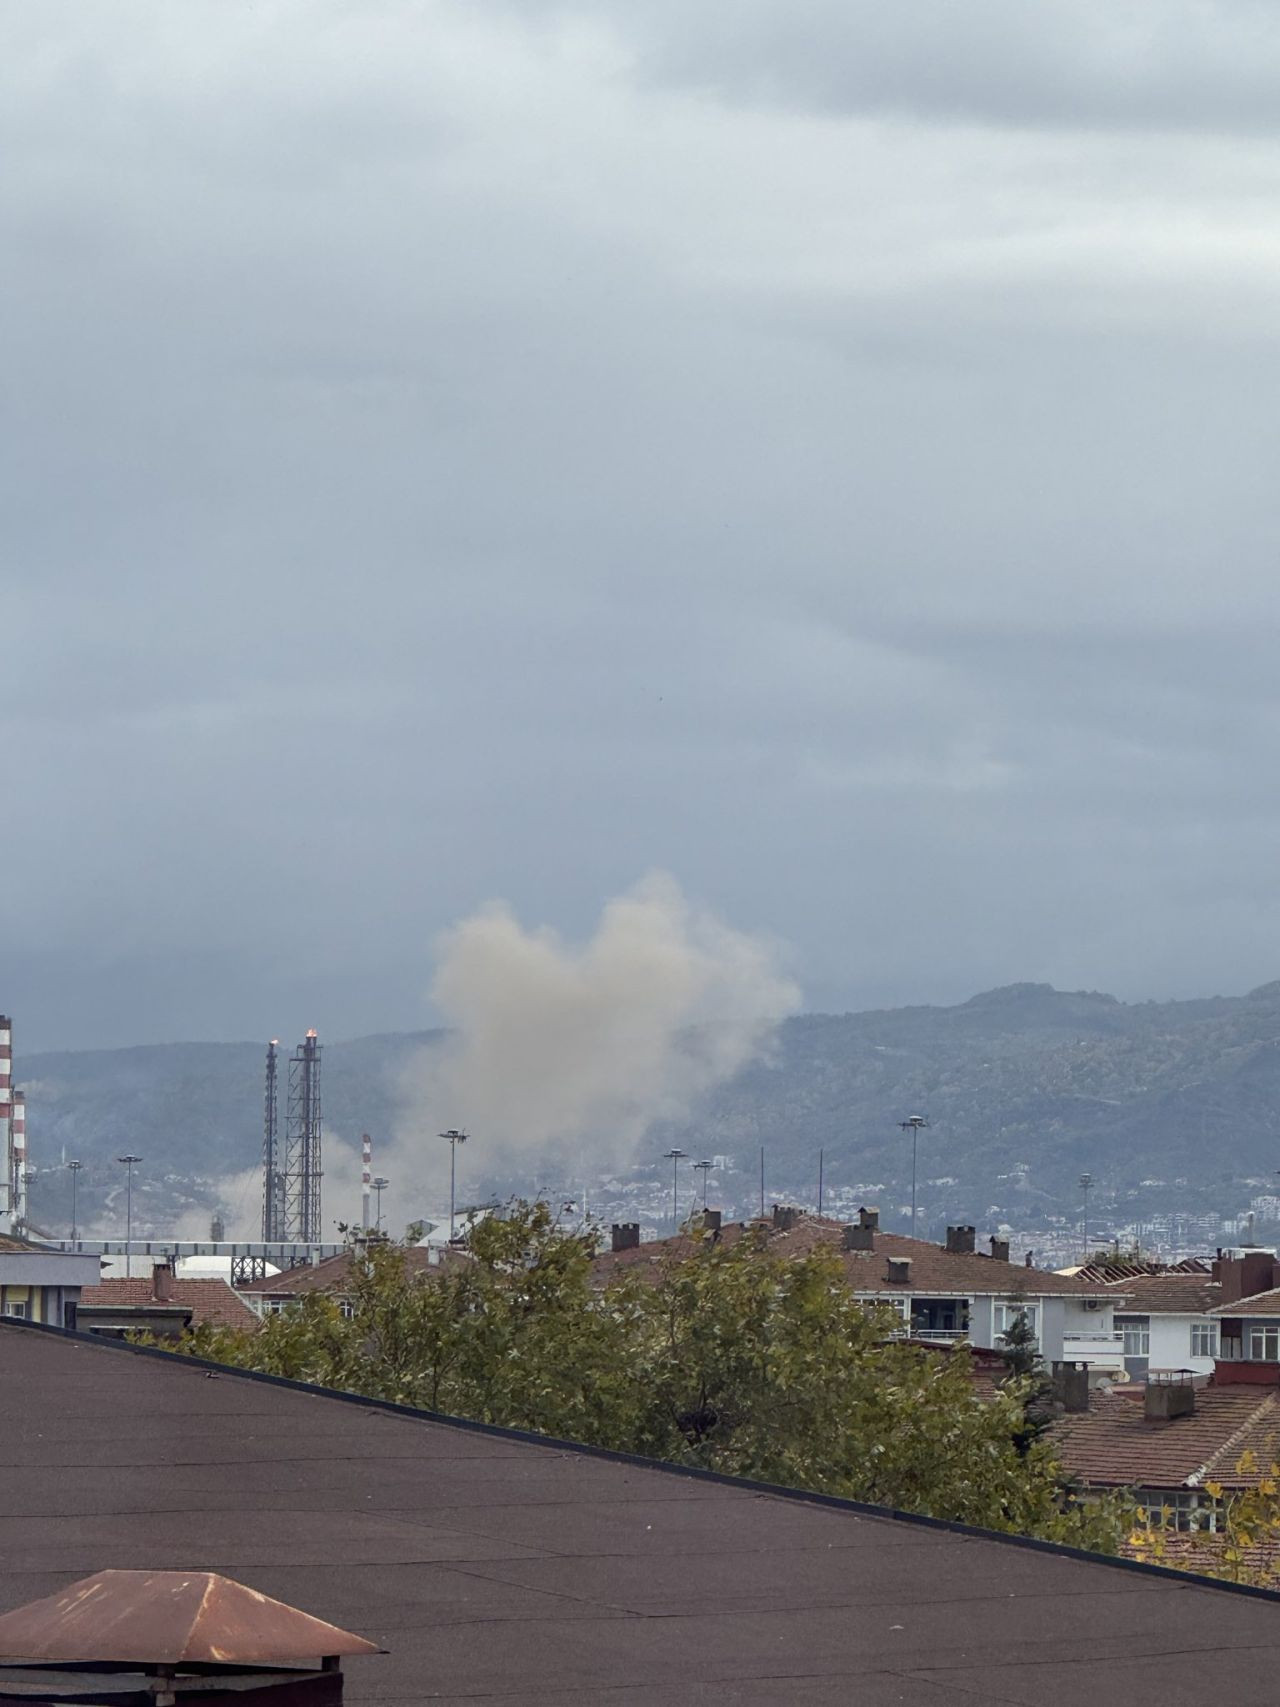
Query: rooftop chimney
x=869 y=1218
x=162 y=1283
x=785 y=1217
x=1000 y=1249
x=625 y=1236
x=1170 y=1395
x=1029 y=1260
x=960 y=1239
x=711 y=1222
x=1240 y=1277
x=899 y=1271
x=859 y=1238
x=1071 y=1386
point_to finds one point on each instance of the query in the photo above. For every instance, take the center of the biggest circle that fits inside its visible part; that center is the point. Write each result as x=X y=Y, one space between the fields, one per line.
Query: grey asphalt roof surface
x=494 y=1569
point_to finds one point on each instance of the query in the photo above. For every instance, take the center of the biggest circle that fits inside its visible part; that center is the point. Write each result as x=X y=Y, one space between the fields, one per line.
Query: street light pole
x=75 y=1168
x=453 y=1138
x=704 y=1168
x=128 y=1162
x=912 y=1124
x=1086 y=1180
x=675 y=1157
x=377 y=1185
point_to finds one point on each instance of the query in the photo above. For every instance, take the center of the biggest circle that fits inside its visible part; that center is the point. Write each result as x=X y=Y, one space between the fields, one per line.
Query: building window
x=1264 y=1345
x=18 y=1310
x=1007 y=1314
x=1204 y=1339
x=1137 y=1335
x=346 y=1309
x=1179 y=1508
x=274 y=1306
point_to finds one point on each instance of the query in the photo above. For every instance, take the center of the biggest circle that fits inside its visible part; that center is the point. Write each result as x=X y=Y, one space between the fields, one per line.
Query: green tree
x=730 y=1358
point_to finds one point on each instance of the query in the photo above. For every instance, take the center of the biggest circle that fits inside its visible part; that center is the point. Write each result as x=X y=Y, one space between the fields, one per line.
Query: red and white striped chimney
x=18 y=1120
x=366 y=1177
x=7 y=1204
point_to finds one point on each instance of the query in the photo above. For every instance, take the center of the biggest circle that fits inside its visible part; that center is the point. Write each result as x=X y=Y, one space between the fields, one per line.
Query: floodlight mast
x=704 y=1168
x=675 y=1157
x=912 y=1124
x=453 y=1137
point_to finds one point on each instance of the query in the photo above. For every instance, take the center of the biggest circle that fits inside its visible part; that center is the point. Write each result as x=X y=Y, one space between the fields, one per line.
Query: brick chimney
x=625 y=1236
x=961 y=1239
x=1071 y=1386
x=999 y=1249
x=1241 y=1277
x=785 y=1216
x=1170 y=1396
x=869 y=1218
x=162 y=1283
x=899 y=1271
x=859 y=1238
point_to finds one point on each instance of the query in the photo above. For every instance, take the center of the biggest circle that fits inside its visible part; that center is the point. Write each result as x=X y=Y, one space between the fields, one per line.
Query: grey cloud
x=1208 y=64
x=443 y=462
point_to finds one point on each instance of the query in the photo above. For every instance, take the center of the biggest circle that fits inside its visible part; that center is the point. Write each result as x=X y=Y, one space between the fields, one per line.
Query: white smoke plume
x=556 y=1049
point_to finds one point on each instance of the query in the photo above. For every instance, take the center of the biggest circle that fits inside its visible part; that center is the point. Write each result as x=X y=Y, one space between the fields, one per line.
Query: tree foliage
x=730 y=1359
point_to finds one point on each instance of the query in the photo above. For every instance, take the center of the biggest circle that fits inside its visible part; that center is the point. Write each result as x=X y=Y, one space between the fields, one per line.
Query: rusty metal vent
x=169 y=1618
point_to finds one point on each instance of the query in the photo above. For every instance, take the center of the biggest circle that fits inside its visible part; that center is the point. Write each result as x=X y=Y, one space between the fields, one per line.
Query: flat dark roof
x=496 y=1569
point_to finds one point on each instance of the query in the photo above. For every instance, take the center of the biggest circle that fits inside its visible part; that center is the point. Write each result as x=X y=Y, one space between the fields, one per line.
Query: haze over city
x=473 y=452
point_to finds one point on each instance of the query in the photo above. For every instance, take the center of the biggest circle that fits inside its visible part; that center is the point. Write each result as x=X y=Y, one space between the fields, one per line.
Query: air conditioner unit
x=1093 y=1303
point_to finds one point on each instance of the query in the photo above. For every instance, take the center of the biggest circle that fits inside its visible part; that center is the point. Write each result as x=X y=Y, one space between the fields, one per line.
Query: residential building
x=161 y=1303
x=947 y=1293
x=272 y=1293
x=494 y=1566
x=38 y=1284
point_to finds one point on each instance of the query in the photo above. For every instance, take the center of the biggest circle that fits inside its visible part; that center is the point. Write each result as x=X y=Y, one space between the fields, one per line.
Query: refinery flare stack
x=13 y=1138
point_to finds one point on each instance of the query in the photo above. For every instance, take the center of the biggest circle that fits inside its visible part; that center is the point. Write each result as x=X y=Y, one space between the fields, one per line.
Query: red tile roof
x=935 y=1271
x=208 y=1300
x=1168 y=1294
x=1114 y=1445
x=1259 y=1304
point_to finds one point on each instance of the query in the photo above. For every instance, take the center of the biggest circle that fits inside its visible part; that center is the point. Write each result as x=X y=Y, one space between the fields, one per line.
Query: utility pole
x=453 y=1138
x=74 y=1169
x=704 y=1168
x=820 y=1182
x=1086 y=1180
x=675 y=1157
x=128 y=1162
x=762 y=1182
x=912 y=1124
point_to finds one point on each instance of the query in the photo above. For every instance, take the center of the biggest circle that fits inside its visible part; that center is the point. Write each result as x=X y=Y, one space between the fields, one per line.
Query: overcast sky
x=457 y=449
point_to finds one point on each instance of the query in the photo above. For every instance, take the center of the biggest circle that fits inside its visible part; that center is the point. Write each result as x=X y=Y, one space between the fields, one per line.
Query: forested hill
x=1023 y=1086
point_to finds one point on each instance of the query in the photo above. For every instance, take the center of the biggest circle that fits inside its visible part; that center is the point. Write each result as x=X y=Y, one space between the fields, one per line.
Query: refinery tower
x=291 y=1168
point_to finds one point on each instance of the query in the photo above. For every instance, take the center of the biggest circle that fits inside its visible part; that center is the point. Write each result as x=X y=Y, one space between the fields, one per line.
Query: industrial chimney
x=8 y=1204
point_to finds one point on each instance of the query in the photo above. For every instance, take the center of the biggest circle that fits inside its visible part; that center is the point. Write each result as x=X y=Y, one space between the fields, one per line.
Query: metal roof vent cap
x=177 y=1629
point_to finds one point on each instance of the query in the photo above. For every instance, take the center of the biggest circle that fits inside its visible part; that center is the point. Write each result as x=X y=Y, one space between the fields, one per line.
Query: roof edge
x=835 y=1502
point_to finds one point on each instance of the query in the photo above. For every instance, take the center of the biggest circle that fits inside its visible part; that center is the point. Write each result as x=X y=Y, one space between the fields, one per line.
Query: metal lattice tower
x=301 y=1173
x=272 y=1175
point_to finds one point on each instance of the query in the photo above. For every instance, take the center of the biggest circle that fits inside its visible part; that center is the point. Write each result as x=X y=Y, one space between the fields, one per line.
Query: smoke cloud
x=556 y=1049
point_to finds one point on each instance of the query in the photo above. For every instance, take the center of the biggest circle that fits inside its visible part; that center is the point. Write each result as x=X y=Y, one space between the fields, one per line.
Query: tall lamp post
x=704 y=1168
x=128 y=1162
x=74 y=1169
x=1086 y=1180
x=912 y=1124
x=377 y=1185
x=453 y=1138
x=675 y=1157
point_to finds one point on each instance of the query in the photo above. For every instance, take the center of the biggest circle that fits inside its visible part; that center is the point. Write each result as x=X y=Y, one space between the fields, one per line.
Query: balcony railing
x=1096 y=1339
